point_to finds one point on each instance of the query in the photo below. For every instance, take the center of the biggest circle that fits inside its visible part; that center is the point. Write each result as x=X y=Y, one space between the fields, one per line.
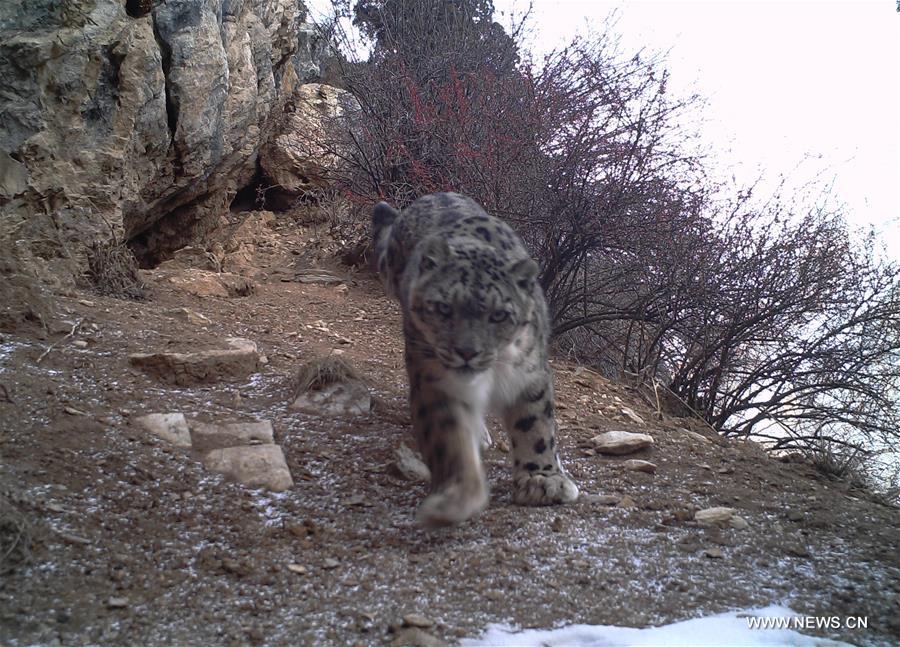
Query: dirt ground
x=130 y=541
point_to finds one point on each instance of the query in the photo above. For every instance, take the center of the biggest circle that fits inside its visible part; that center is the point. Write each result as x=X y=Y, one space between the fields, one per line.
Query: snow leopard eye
x=498 y=316
x=443 y=309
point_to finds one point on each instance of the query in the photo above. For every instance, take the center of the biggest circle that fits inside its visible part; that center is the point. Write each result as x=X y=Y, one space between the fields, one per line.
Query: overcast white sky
x=786 y=81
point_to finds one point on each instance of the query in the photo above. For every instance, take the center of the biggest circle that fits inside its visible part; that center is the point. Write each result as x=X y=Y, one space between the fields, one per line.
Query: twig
x=75 y=327
x=6 y=396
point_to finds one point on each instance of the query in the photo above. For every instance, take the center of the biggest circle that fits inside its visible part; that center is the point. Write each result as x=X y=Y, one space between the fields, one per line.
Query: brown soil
x=132 y=542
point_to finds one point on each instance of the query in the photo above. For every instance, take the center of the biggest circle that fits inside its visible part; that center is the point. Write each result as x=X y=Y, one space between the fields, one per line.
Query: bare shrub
x=322 y=372
x=767 y=318
x=113 y=271
x=15 y=535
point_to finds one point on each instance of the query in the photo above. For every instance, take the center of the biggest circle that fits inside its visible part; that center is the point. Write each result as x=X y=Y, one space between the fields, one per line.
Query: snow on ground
x=732 y=629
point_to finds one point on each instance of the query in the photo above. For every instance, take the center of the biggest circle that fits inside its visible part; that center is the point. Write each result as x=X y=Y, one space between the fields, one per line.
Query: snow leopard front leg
x=448 y=432
x=538 y=475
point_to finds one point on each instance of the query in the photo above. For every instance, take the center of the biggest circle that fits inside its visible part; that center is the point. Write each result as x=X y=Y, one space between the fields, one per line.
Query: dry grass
x=322 y=372
x=15 y=535
x=113 y=271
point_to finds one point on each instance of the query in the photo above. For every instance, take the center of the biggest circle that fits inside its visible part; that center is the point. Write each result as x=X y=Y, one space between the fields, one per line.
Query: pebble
x=297 y=568
x=117 y=603
x=636 y=465
x=738 y=523
x=713 y=553
x=330 y=563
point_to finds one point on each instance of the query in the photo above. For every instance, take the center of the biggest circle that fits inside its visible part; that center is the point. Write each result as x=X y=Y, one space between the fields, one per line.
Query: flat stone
x=208 y=436
x=236 y=362
x=636 y=465
x=257 y=466
x=171 y=427
x=621 y=442
x=350 y=398
x=409 y=466
x=713 y=516
x=602 y=499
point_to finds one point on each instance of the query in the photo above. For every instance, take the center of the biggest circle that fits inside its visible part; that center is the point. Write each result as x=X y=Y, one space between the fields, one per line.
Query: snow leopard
x=476 y=327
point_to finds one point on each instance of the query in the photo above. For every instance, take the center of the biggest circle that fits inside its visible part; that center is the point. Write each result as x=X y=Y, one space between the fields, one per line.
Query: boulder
x=236 y=362
x=257 y=466
x=621 y=442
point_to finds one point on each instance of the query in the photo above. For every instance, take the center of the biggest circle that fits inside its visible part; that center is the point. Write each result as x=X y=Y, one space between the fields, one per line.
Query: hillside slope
x=132 y=540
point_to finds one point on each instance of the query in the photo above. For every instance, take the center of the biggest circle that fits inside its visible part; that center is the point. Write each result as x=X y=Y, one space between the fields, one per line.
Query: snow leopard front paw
x=453 y=503
x=530 y=488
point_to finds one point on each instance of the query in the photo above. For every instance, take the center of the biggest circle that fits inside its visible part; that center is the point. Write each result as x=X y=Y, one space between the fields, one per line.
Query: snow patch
x=731 y=628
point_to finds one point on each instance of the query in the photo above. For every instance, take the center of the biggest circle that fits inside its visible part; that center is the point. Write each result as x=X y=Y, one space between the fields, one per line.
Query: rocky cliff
x=137 y=118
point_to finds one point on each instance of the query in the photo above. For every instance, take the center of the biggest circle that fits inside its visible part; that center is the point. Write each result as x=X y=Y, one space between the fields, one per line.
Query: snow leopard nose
x=467 y=354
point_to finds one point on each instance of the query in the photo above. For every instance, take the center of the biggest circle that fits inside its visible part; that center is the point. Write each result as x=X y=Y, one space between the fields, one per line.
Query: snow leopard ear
x=435 y=251
x=524 y=273
x=383 y=215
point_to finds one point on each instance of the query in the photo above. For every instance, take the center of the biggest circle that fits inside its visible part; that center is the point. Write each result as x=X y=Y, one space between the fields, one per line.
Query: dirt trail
x=133 y=541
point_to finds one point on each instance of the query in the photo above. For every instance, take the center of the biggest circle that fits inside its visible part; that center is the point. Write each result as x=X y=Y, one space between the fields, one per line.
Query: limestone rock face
x=294 y=159
x=144 y=125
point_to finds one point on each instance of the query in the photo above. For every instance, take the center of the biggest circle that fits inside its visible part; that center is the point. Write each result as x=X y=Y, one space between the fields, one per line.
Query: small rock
x=231 y=434
x=297 y=568
x=234 y=363
x=636 y=465
x=330 y=563
x=631 y=415
x=713 y=553
x=408 y=465
x=713 y=516
x=350 y=398
x=117 y=603
x=738 y=523
x=254 y=465
x=417 y=620
x=72 y=411
x=171 y=427
x=80 y=343
x=626 y=502
x=798 y=550
x=186 y=314
x=557 y=524
x=621 y=442
x=794 y=515
x=601 y=499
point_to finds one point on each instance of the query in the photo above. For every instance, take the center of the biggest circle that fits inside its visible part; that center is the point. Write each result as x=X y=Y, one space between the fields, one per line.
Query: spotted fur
x=475 y=324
